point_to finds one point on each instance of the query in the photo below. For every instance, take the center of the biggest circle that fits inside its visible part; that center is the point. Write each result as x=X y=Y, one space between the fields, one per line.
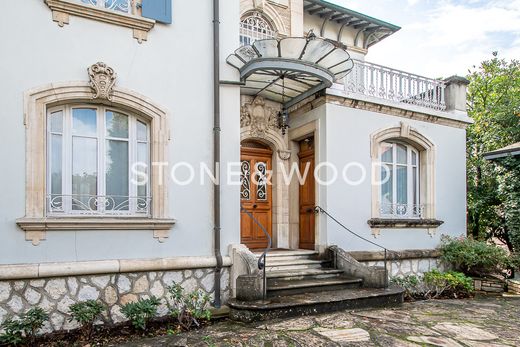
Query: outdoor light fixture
x=283 y=115
x=283 y=120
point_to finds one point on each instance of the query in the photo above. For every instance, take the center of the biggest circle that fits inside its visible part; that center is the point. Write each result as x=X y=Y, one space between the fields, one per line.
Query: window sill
x=36 y=228
x=395 y=223
x=61 y=9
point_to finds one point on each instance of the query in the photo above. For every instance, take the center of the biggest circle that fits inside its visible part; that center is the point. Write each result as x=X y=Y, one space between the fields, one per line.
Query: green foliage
x=494 y=105
x=141 y=312
x=86 y=313
x=474 y=257
x=23 y=330
x=188 y=308
x=435 y=284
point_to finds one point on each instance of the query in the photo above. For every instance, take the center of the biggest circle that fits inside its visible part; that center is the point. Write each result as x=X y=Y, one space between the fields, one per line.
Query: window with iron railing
x=97 y=162
x=125 y=6
x=400 y=195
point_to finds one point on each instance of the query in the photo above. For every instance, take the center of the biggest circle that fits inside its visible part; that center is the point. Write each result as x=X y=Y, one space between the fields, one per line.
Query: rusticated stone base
x=403 y=263
x=55 y=295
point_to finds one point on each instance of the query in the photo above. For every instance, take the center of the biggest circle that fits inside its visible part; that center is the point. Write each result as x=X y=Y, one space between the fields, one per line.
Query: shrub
x=436 y=284
x=449 y=284
x=474 y=257
x=140 y=312
x=190 y=308
x=18 y=331
x=86 y=313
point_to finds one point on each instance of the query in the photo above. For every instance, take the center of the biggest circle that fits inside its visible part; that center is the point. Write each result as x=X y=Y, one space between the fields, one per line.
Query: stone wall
x=404 y=267
x=403 y=263
x=55 y=295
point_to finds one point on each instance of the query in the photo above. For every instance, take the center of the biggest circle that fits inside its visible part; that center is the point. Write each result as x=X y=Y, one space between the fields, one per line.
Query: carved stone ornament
x=102 y=80
x=258 y=116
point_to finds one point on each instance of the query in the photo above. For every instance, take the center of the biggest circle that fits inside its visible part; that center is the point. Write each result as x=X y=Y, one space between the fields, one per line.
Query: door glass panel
x=402 y=185
x=387 y=191
x=117 y=176
x=261 y=179
x=84 y=173
x=245 y=180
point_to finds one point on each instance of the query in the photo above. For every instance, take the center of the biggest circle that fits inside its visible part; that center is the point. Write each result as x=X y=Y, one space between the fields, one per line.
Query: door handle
x=309 y=210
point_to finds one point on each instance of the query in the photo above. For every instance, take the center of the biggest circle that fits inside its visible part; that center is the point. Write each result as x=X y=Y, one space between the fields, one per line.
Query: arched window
x=97 y=161
x=400 y=195
x=255 y=27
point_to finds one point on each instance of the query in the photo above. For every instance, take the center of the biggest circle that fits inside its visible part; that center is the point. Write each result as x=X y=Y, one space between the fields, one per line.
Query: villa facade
x=99 y=94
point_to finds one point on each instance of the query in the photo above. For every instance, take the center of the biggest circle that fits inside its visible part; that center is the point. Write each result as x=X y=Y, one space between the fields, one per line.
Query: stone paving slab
x=480 y=322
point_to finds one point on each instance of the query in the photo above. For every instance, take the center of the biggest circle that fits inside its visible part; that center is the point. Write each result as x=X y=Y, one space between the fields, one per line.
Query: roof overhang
x=509 y=151
x=290 y=69
x=374 y=29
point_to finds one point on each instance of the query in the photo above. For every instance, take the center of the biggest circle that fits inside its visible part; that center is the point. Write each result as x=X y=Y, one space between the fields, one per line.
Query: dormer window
x=255 y=27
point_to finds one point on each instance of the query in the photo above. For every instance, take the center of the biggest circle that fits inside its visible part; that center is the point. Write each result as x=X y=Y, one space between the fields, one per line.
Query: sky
x=443 y=38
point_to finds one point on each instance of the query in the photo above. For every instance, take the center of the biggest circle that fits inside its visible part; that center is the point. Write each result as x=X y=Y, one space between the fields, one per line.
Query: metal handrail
x=262 y=260
x=319 y=209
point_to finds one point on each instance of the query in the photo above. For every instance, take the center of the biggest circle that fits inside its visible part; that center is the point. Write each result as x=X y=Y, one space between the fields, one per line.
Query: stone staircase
x=301 y=271
x=300 y=282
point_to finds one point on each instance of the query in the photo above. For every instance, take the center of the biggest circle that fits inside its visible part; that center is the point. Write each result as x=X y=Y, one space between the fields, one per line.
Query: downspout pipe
x=216 y=149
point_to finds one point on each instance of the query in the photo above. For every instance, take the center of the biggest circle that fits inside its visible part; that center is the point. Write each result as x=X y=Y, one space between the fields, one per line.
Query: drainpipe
x=216 y=147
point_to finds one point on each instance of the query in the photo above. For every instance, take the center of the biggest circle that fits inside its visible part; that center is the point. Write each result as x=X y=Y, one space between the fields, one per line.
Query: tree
x=494 y=105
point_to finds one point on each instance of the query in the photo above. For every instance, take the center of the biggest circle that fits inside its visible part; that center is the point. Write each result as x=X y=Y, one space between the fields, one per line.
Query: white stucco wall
x=348 y=140
x=173 y=68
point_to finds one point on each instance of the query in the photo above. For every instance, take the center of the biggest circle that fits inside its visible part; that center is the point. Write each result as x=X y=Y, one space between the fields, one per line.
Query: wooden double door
x=307 y=198
x=255 y=194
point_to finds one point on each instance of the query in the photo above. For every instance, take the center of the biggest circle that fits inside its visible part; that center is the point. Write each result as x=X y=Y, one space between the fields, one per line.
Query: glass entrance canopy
x=291 y=69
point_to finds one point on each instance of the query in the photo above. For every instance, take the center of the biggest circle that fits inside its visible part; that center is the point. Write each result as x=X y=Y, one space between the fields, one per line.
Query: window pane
x=261 y=179
x=56 y=160
x=387 y=154
x=387 y=189
x=414 y=158
x=117 y=175
x=84 y=121
x=118 y=5
x=84 y=173
x=401 y=154
x=117 y=125
x=402 y=186
x=415 y=187
x=57 y=122
x=245 y=176
x=142 y=131
x=142 y=159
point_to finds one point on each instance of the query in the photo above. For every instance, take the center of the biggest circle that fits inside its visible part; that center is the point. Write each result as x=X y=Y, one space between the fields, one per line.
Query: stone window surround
x=62 y=9
x=35 y=223
x=426 y=150
x=270 y=14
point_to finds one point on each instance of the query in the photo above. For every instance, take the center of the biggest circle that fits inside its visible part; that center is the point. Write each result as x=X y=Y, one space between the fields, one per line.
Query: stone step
x=300 y=264
x=290 y=255
x=278 y=287
x=314 y=303
x=305 y=273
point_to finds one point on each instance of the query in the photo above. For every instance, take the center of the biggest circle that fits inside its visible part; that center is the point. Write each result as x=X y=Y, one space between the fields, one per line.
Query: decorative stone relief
x=258 y=116
x=102 y=80
x=284 y=155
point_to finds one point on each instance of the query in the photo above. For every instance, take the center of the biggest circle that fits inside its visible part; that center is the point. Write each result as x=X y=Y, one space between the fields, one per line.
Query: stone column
x=455 y=94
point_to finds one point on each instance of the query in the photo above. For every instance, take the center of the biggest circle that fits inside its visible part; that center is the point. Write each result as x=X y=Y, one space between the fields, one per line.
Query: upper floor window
x=97 y=158
x=124 y=6
x=255 y=27
x=400 y=181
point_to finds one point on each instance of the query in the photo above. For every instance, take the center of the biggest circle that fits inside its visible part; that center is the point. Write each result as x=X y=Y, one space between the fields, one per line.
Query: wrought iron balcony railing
x=125 y=6
x=401 y=211
x=112 y=205
x=382 y=82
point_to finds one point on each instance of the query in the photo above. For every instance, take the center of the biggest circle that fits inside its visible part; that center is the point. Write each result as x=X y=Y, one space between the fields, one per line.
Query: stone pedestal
x=249 y=288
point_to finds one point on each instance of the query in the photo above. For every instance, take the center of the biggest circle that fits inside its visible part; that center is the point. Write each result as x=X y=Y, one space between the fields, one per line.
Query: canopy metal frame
x=291 y=69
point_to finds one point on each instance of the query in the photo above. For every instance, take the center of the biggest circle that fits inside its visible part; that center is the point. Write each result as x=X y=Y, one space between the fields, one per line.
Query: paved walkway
x=479 y=322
